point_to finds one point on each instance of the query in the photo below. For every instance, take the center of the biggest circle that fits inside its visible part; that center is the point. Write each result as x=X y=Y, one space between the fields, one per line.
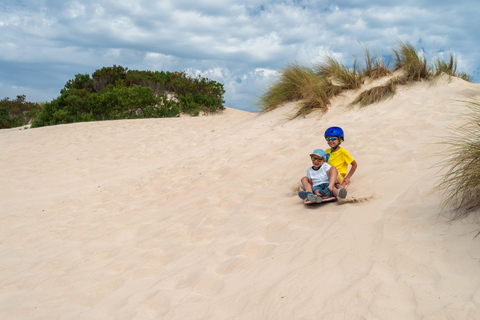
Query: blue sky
x=242 y=44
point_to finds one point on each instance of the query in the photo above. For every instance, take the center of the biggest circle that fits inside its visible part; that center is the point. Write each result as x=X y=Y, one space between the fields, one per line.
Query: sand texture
x=198 y=218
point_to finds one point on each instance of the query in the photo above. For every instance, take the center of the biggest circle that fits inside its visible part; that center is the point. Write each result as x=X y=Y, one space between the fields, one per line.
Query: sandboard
x=302 y=193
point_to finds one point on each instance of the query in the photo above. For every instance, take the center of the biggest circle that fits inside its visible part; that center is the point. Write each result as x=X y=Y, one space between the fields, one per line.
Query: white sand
x=197 y=218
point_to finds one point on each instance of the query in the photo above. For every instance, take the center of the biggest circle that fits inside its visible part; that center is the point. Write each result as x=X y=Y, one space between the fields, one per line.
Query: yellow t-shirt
x=340 y=159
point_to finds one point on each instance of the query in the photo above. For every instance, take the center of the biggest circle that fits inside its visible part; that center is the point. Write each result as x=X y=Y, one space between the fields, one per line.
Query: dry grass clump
x=461 y=183
x=414 y=65
x=295 y=82
x=313 y=88
x=414 y=68
x=333 y=69
x=376 y=94
x=448 y=67
x=375 y=67
x=317 y=85
x=315 y=96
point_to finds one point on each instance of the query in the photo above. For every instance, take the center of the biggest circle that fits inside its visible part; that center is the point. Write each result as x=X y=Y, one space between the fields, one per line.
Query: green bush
x=118 y=93
x=18 y=112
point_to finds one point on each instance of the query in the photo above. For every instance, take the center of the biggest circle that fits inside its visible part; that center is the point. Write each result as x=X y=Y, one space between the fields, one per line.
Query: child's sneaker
x=326 y=192
x=304 y=194
x=342 y=193
x=314 y=198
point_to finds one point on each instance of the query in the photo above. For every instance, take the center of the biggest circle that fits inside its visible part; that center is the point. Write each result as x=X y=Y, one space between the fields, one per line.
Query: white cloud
x=75 y=10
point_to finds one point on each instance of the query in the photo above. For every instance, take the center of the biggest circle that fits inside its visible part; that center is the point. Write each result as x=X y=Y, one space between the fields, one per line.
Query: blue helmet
x=335 y=132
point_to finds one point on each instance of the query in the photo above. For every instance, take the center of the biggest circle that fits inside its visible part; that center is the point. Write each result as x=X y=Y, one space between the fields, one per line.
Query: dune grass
x=376 y=94
x=448 y=67
x=461 y=182
x=414 y=65
x=375 y=67
x=316 y=96
x=333 y=69
x=295 y=82
x=315 y=86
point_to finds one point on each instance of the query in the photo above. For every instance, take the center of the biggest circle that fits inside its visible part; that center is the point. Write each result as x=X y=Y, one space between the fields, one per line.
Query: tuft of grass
x=288 y=87
x=333 y=69
x=414 y=65
x=297 y=82
x=376 y=94
x=449 y=67
x=316 y=96
x=441 y=66
x=461 y=183
x=375 y=67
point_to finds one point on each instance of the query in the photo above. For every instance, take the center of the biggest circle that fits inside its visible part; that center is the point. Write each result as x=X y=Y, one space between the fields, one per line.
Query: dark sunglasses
x=331 y=139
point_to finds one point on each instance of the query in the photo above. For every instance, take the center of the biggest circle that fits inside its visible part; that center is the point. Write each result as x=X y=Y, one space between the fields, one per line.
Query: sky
x=241 y=44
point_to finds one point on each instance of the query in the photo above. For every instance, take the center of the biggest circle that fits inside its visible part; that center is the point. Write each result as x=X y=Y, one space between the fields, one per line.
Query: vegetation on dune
x=289 y=86
x=376 y=94
x=118 y=93
x=448 y=67
x=461 y=183
x=336 y=71
x=375 y=67
x=414 y=65
x=330 y=78
x=18 y=112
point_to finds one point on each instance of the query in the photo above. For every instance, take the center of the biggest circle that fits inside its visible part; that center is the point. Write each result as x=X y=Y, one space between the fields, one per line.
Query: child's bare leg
x=306 y=184
x=339 y=193
x=332 y=176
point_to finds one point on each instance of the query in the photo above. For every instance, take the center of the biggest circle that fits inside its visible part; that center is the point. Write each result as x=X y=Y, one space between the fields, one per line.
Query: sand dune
x=197 y=218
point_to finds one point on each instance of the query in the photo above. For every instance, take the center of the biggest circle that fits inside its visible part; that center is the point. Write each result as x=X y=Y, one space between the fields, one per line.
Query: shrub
x=18 y=112
x=108 y=76
x=461 y=183
x=118 y=93
x=81 y=81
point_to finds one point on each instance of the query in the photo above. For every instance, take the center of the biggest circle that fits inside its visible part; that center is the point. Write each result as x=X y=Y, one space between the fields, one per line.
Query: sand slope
x=197 y=218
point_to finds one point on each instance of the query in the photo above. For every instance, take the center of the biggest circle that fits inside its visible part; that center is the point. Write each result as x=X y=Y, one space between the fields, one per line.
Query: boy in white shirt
x=320 y=180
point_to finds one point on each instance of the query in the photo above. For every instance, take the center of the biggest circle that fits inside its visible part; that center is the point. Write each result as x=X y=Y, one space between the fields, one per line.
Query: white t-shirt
x=319 y=176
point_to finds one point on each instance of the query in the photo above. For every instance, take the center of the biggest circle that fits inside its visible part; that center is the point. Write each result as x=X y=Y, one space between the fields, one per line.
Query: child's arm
x=351 y=172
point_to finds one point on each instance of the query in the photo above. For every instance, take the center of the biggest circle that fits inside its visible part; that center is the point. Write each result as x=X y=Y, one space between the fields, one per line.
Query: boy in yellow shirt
x=339 y=157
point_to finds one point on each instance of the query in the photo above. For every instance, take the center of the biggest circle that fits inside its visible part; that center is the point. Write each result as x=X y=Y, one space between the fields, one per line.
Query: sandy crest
x=197 y=218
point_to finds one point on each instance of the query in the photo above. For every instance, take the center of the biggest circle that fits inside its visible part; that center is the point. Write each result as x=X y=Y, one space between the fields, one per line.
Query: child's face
x=332 y=141
x=317 y=161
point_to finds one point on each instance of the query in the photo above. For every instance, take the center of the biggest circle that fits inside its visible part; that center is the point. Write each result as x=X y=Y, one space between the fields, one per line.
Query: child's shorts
x=323 y=189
